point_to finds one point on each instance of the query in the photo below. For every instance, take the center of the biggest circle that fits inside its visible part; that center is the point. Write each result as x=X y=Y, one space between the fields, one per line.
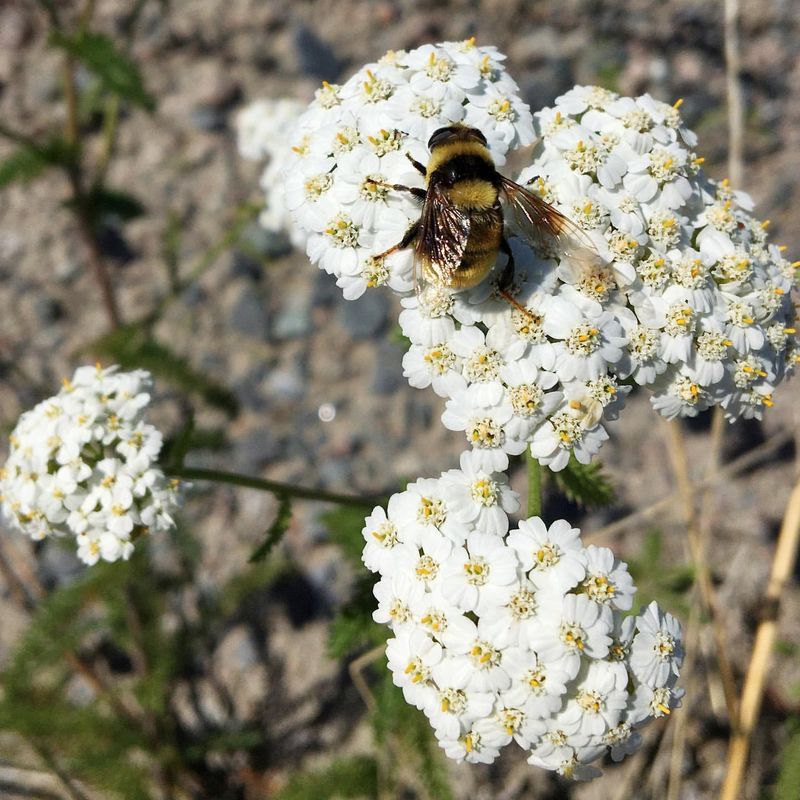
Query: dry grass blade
x=739 y=465
x=782 y=565
x=734 y=94
x=356 y=669
x=693 y=637
x=687 y=491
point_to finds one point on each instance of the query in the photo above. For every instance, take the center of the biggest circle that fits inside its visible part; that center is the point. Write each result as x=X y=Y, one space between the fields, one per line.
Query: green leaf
x=133 y=347
x=276 y=530
x=113 y=201
x=176 y=449
x=344 y=526
x=188 y=439
x=394 y=717
x=101 y=201
x=659 y=581
x=353 y=627
x=100 y=55
x=396 y=336
x=30 y=159
x=225 y=742
x=585 y=484
x=789 y=774
x=92 y=744
x=354 y=776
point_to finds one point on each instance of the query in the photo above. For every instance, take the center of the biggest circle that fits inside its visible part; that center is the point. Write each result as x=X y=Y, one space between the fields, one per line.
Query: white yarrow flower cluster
x=352 y=144
x=682 y=294
x=264 y=130
x=703 y=300
x=520 y=635
x=84 y=464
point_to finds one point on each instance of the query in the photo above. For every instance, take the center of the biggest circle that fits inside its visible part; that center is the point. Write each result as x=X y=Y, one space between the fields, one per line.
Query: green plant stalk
x=534 y=486
x=110 y=124
x=74 y=171
x=276 y=487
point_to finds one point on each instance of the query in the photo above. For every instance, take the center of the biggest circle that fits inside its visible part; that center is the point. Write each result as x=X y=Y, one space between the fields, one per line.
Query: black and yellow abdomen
x=480 y=255
x=466 y=173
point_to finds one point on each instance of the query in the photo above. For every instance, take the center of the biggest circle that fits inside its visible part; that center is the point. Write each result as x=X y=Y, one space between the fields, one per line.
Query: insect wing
x=442 y=239
x=545 y=228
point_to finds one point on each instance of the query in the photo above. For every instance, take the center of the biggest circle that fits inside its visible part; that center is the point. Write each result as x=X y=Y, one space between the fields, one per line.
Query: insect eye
x=480 y=136
x=439 y=136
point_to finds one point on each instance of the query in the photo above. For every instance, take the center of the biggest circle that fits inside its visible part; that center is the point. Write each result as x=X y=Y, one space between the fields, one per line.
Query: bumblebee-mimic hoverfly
x=460 y=231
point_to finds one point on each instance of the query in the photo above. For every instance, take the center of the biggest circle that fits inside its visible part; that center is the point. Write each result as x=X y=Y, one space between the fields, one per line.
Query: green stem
x=534 y=486
x=276 y=487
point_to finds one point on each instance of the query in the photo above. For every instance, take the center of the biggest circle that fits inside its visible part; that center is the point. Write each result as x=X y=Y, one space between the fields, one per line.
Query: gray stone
x=66 y=271
x=114 y=245
x=364 y=318
x=57 y=565
x=336 y=472
x=250 y=390
x=388 y=374
x=79 y=691
x=324 y=578
x=541 y=86
x=783 y=193
x=285 y=385
x=255 y=449
x=245 y=266
x=249 y=314
x=272 y=244
x=48 y=310
x=293 y=319
x=15 y=27
x=698 y=104
x=239 y=648
x=315 y=57
x=208 y=119
x=325 y=291
x=45 y=85
x=194 y=296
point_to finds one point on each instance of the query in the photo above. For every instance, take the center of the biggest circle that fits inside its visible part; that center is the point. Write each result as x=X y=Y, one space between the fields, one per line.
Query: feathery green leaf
x=133 y=347
x=101 y=56
x=585 y=484
x=30 y=159
x=353 y=777
x=276 y=531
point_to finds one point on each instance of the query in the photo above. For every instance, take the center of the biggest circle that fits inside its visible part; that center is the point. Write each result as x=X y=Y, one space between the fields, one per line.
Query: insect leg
x=408 y=237
x=417 y=165
x=420 y=194
x=506 y=279
x=507 y=276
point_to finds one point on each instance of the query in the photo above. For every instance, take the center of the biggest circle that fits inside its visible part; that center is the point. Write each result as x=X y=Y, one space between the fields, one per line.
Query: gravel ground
x=276 y=331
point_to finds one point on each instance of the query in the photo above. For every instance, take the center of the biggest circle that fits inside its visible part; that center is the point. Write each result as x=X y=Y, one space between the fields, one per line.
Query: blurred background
x=190 y=672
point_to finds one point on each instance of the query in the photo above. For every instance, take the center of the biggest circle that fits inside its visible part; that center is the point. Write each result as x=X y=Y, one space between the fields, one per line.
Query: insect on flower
x=461 y=229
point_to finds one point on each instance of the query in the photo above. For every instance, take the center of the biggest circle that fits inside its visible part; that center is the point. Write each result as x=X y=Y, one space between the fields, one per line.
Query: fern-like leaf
x=276 y=531
x=585 y=484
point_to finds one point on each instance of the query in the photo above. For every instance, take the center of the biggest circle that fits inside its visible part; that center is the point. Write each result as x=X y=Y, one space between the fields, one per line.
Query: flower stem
x=276 y=487
x=534 y=486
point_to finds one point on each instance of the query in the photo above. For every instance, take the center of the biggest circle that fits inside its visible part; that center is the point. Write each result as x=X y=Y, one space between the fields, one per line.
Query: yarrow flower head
x=501 y=636
x=264 y=131
x=681 y=294
x=83 y=464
